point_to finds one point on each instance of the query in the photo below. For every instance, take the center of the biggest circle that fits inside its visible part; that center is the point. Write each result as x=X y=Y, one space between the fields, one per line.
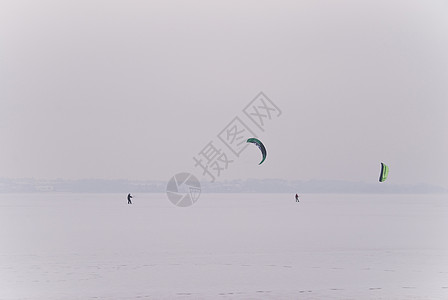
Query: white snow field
x=226 y=246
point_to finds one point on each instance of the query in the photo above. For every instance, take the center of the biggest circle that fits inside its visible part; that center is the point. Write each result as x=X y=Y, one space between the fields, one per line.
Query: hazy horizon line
x=251 y=185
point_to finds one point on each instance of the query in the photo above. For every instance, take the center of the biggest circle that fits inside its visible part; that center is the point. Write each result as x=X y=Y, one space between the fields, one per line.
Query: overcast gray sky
x=136 y=89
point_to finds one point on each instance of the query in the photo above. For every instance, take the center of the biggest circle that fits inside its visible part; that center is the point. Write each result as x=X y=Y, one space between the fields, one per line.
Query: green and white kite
x=384 y=172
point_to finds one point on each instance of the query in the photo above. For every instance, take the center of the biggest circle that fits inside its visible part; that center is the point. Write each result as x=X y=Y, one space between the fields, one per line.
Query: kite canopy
x=384 y=172
x=260 y=146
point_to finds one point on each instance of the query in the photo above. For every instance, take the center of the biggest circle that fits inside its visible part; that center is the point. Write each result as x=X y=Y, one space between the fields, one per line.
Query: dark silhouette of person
x=129 y=199
x=297 y=198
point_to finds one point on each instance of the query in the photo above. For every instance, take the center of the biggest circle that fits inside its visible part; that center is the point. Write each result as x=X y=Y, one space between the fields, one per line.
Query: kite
x=384 y=172
x=260 y=146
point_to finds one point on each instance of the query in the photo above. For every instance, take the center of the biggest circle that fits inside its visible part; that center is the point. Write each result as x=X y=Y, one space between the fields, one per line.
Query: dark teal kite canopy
x=260 y=146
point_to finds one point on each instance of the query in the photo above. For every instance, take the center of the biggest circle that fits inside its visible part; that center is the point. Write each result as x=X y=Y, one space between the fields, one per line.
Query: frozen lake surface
x=226 y=246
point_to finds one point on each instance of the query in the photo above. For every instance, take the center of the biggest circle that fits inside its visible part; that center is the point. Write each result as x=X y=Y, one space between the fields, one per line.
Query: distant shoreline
x=31 y=185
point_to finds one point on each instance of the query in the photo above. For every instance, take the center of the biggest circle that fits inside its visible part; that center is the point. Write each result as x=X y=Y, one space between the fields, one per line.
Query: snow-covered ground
x=226 y=246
